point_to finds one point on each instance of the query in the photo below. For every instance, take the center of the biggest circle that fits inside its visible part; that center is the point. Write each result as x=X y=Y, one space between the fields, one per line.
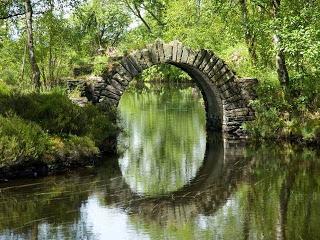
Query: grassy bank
x=290 y=114
x=48 y=131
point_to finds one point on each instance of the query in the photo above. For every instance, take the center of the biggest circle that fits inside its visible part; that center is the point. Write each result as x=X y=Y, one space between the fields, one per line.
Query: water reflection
x=236 y=192
x=167 y=138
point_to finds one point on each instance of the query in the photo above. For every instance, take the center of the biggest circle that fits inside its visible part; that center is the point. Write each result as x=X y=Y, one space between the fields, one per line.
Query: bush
x=21 y=141
x=4 y=88
x=57 y=115
x=71 y=149
x=48 y=129
x=100 y=123
x=286 y=114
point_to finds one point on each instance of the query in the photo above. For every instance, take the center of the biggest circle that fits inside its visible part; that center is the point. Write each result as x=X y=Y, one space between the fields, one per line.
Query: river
x=172 y=180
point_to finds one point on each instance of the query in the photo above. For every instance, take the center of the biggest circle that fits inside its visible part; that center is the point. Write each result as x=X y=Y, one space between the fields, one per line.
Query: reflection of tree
x=48 y=202
x=275 y=185
x=166 y=128
x=282 y=184
x=285 y=191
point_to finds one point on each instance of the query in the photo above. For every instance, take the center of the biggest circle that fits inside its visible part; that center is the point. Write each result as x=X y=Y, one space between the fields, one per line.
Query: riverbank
x=41 y=134
x=290 y=114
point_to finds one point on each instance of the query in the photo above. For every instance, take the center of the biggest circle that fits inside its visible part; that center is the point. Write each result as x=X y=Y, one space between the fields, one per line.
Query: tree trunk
x=32 y=55
x=136 y=11
x=50 y=63
x=23 y=63
x=138 y=14
x=282 y=70
x=249 y=36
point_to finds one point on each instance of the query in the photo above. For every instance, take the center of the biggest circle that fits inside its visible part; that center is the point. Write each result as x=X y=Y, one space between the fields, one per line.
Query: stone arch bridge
x=225 y=94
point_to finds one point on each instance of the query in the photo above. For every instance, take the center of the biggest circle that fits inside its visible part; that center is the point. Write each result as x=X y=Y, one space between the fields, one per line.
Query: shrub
x=21 y=141
x=4 y=89
x=291 y=114
x=72 y=149
x=99 y=63
x=55 y=113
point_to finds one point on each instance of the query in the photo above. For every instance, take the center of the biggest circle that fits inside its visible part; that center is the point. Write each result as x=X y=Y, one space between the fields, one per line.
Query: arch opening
x=213 y=103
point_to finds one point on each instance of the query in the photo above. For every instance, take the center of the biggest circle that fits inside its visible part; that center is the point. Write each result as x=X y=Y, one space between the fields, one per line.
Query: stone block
x=159 y=47
x=113 y=90
x=216 y=68
x=140 y=60
x=128 y=65
x=224 y=87
x=122 y=70
x=174 y=50
x=110 y=101
x=226 y=94
x=122 y=79
x=205 y=61
x=185 y=55
x=233 y=98
x=167 y=49
x=153 y=53
x=146 y=55
x=213 y=60
x=192 y=57
x=226 y=75
x=117 y=85
x=179 y=53
x=109 y=94
x=238 y=112
x=216 y=78
x=201 y=55
x=135 y=62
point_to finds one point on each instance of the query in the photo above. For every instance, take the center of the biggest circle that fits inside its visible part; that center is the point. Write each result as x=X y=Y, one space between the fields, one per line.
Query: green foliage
x=49 y=128
x=4 y=88
x=21 y=141
x=163 y=72
x=100 y=63
x=72 y=149
x=290 y=114
x=65 y=37
x=55 y=113
x=100 y=24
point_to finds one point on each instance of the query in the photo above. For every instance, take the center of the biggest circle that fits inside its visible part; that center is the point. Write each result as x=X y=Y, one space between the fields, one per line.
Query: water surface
x=173 y=181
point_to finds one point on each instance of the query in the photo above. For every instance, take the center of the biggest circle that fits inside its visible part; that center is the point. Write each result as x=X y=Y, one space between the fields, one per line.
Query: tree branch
x=13 y=15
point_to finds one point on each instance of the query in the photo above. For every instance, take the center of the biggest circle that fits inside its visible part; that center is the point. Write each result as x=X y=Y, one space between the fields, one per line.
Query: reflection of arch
x=209 y=190
x=213 y=185
x=226 y=95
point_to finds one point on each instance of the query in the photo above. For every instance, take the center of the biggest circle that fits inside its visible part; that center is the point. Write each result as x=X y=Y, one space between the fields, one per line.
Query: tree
x=32 y=54
x=249 y=36
x=282 y=70
x=103 y=22
x=136 y=9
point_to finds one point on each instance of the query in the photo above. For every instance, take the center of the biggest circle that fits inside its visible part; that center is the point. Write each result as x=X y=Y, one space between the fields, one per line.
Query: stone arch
x=226 y=95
